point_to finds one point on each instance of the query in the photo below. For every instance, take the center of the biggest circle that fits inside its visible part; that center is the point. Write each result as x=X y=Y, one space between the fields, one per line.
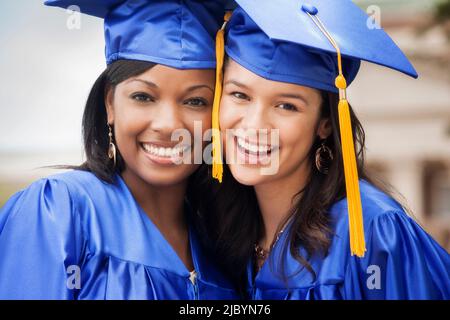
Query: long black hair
x=233 y=222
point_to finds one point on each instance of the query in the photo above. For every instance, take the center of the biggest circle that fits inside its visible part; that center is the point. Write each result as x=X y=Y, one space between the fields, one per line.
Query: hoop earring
x=324 y=157
x=112 y=146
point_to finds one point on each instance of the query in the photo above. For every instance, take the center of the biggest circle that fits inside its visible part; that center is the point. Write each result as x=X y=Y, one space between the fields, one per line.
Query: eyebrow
x=190 y=89
x=200 y=86
x=293 y=96
x=148 y=83
x=285 y=95
x=236 y=83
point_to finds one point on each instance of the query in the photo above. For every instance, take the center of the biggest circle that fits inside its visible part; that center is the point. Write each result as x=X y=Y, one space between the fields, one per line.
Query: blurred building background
x=48 y=70
x=407 y=121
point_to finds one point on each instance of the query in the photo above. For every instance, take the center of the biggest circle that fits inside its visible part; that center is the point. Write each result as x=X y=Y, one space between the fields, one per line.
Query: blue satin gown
x=73 y=236
x=401 y=262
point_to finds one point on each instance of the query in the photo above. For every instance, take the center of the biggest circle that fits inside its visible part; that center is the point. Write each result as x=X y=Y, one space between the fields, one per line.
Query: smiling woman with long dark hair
x=312 y=229
x=120 y=226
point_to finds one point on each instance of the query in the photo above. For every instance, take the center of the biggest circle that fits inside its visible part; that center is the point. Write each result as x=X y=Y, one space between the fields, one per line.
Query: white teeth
x=164 y=152
x=252 y=147
x=263 y=149
x=241 y=142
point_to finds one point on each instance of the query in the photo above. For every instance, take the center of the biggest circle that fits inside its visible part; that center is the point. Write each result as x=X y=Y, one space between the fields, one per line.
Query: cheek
x=206 y=120
x=129 y=122
x=229 y=114
x=197 y=123
x=196 y=120
x=297 y=136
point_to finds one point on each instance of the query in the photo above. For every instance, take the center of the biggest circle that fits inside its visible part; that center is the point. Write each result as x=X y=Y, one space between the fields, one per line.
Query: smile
x=164 y=155
x=250 y=153
x=252 y=148
x=163 y=152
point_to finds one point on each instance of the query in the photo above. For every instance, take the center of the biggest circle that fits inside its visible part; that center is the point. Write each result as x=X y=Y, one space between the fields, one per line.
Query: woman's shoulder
x=72 y=180
x=383 y=219
x=62 y=194
x=376 y=205
x=41 y=222
x=81 y=186
x=389 y=230
x=397 y=247
x=76 y=180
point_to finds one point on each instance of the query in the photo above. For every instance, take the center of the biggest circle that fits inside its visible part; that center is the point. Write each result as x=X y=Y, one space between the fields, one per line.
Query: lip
x=162 y=160
x=163 y=144
x=248 y=157
x=256 y=142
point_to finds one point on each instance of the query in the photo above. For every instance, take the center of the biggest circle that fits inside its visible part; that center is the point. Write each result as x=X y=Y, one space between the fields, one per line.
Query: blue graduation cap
x=178 y=34
x=313 y=43
x=276 y=39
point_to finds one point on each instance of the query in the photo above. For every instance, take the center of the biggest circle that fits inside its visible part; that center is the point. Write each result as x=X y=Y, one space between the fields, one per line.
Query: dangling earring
x=112 y=146
x=324 y=157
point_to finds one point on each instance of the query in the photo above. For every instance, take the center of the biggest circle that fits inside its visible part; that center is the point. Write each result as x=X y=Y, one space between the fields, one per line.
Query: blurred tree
x=442 y=16
x=443 y=10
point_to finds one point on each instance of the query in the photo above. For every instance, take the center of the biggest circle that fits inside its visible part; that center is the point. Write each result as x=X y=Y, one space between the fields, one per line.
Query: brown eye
x=287 y=106
x=240 y=95
x=142 y=97
x=196 y=102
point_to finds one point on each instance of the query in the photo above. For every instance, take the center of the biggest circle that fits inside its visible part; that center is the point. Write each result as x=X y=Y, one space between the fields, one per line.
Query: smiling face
x=146 y=109
x=250 y=103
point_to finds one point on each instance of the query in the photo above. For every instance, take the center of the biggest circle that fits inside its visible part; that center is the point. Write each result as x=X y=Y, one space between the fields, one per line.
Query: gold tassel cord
x=356 y=225
x=356 y=228
x=217 y=163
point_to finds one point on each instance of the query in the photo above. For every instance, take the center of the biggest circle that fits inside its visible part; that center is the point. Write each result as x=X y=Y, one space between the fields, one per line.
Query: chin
x=249 y=176
x=166 y=177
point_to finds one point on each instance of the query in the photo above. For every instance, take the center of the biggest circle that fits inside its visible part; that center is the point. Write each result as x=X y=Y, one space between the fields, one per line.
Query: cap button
x=309 y=8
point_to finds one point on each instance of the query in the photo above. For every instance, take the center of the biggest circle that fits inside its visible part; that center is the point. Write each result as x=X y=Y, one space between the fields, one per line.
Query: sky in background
x=46 y=73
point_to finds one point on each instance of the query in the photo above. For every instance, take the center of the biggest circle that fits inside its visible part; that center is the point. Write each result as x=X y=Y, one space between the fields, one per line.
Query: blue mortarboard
x=313 y=43
x=179 y=34
x=277 y=39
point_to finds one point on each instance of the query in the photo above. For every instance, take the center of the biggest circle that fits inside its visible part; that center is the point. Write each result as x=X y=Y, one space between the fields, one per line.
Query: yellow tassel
x=355 y=218
x=356 y=227
x=217 y=163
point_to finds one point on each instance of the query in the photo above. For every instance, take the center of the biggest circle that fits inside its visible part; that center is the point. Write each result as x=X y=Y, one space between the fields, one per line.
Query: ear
x=324 y=129
x=109 y=99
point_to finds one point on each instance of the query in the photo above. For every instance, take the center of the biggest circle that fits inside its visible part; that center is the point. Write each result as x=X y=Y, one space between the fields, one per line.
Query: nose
x=256 y=117
x=166 y=118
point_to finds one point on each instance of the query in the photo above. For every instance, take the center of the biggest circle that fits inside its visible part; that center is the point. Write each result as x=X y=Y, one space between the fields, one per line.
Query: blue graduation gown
x=401 y=262
x=73 y=236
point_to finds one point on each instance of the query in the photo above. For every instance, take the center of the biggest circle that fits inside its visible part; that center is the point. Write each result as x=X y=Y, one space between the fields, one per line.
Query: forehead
x=236 y=73
x=166 y=75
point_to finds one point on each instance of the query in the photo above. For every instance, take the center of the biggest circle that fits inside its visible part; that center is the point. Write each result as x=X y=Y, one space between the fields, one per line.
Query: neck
x=164 y=205
x=276 y=200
